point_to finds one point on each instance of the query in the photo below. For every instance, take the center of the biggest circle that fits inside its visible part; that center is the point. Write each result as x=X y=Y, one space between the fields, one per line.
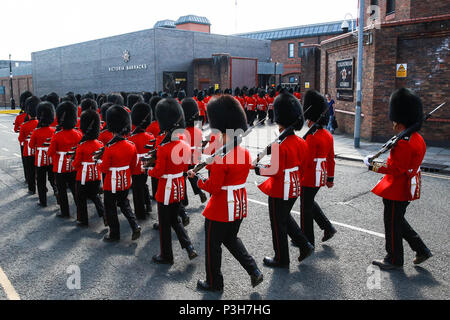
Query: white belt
x=287 y=181
x=414 y=183
x=28 y=146
x=61 y=160
x=114 y=176
x=40 y=149
x=168 y=189
x=319 y=170
x=230 y=199
x=84 y=171
x=139 y=156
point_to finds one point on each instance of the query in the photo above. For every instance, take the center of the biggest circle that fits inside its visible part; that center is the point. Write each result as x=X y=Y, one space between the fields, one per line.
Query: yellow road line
x=11 y=293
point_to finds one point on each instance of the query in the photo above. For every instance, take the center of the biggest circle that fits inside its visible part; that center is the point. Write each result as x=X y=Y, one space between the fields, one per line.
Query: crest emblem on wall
x=126 y=56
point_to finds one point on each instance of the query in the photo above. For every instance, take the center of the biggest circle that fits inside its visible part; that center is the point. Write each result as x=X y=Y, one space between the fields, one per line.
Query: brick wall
x=20 y=84
x=428 y=8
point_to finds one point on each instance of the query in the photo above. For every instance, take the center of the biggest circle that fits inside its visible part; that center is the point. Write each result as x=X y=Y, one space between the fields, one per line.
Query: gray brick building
x=135 y=61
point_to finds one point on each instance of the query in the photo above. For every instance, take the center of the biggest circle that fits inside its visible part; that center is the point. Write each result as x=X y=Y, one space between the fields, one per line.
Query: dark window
x=300 y=45
x=390 y=6
x=290 y=50
x=373 y=2
x=291 y=79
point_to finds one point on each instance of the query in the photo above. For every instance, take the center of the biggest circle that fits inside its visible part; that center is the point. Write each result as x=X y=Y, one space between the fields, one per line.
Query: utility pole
x=357 y=129
x=13 y=103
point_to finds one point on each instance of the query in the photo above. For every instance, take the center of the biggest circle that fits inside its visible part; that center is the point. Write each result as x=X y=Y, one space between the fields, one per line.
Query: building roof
x=192 y=19
x=165 y=24
x=21 y=70
x=304 y=31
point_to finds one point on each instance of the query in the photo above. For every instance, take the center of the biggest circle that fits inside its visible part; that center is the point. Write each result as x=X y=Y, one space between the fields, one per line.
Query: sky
x=33 y=25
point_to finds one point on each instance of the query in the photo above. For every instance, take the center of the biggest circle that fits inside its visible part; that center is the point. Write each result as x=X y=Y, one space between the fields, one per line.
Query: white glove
x=366 y=160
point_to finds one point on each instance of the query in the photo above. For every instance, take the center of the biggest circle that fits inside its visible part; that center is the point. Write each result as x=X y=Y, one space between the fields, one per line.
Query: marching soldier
x=227 y=206
x=141 y=117
x=105 y=136
x=401 y=183
x=270 y=98
x=88 y=172
x=40 y=136
x=153 y=128
x=261 y=105
x=62 y=142
x=172 y=160
x=20 y=119
x=283 y=186
x=194 y=139
x=119 y=158
x=250 y=105
x=319 y=167
x=24 y=138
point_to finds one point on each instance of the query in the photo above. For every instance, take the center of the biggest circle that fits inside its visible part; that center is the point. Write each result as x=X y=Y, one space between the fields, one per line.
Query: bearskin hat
x=210 y=91
x=53 y=98
x=237 y=91
x=115 y=98
x=70 y=98
x=286 y=110
x=88 y=95
x=227 y=91
x=23 y=97
x=105 y=108
x=90 y=124
x=225 y=112
x=118 y=120
x=314 y=105
x=181 y=95
x=190 y=109
x=251 y=92
x=45 y=113
x=272 y=93
x=200 y=96
x=134 y=98
x=66 y=114
x=261 y=93
x=405 y=107
x=124 y=96
x=195 y=92
x=153 y=102
x=88 y=104
x=169 y=114
x=147 y=96
x=43 y=98
x=78 y=97
x=140 y=112
x=165 y=95
x=31 y=105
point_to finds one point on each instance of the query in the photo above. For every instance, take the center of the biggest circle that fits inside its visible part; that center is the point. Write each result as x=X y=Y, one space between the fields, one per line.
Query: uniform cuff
x=330 y=179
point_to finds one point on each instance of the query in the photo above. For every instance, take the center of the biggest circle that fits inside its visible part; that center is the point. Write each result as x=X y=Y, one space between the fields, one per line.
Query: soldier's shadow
x=410 y=286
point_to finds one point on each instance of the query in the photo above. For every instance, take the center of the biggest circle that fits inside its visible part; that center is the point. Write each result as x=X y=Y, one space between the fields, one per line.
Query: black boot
x=306 y=252
x=271 y=262
x=256 y=278
x=328 y=234
x=159 y=259
x=191 y=252
x=203 y=285
x=136 y=233
x=422 y=257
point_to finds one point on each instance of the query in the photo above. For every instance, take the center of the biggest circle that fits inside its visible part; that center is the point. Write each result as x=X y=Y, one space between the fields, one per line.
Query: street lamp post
x=357 y=129
x=13 y=103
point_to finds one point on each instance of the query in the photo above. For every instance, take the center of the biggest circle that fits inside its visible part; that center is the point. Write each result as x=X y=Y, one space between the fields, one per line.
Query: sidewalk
x=436 y=159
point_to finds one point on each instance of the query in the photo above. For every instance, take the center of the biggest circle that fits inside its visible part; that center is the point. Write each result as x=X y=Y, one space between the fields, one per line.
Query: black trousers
x=251 y=117
x=30 y=173
x=216 y=234
x=64 y=181
x=147 y=198
x=195 y=188
x=42 y=173
x=88 y=191
x=168 y=218
x=270 y=115
x=283 y=225
x=261 y=115
x=23 y=163
x=112 y=201
x=396 y=229
x=154 y=186
x=309 y=212
x=139 y=186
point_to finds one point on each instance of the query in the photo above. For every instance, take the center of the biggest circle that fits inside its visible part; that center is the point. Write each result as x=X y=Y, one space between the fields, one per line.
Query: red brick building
x=413 y=35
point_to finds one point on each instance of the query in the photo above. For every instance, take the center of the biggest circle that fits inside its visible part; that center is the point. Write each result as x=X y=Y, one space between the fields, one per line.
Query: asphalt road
x=42 y=255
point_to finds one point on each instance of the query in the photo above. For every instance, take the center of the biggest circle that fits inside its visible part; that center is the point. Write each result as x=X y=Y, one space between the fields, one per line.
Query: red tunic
x=250 y=103
x=201 y=108
x=25 y=130
x=87 y=169
x=285 y=169
x=62 y=142
x=402 y=170
x=172 y=159
x=298 y=95
x=118 y=160
x=270 y=102
x=19 y=120
x=105 y=136
x=261 y=104
x=140 y=140
x=320 y=161
x=38 y=137
x=226 y=184
x=153 y=128
x=241 y=101
x=193 y=137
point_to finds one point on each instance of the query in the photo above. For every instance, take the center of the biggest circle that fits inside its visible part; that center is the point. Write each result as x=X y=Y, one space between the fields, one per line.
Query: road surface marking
x=4 y=149
x=377 y=234
x=17 y=155
x=3 y=126
x=11 y=293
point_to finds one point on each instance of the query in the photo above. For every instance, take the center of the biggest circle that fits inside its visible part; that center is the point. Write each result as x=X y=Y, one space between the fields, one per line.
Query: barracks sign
x=126 y=58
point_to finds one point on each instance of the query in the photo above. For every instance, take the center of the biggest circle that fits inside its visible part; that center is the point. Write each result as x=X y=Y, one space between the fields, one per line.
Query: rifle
x=267 y=150
x=97 y=155
x=139 y=127
x=316 y=125
x=226 y=148
x=393 y=141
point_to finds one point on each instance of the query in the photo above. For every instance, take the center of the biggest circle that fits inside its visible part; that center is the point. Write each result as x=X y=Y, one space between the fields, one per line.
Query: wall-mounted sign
x=216 y=86
x=344 y=74
x=126 y=56
x=306 y=85
x=345 y=95
x=174 y=81
x=402 y=70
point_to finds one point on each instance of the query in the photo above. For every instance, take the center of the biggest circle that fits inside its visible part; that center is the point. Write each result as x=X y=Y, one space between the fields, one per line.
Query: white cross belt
x=168 y=189
x=230 y=199
x=114 y=176
x=287 y=182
